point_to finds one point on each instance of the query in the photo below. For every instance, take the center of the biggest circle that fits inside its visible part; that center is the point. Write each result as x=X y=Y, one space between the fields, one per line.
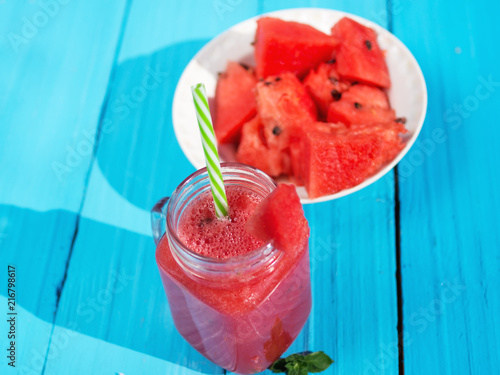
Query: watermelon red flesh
x=283 y=46
x=234 y=101
x=390 y=135
x=349 y=112
x=280 y=218
x=283 y=104
x=359 y=57
x=297 y=151
x=367 y=96
x=254 y=150
x=324 y=86
x=337 y=161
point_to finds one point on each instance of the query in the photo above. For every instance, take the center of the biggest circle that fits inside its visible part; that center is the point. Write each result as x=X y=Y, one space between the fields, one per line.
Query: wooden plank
x=170 y=23
x=31 y=336
x=51 y=95
x=448 y=192
x=94 y=356
x=54 y=71
x=354 y=315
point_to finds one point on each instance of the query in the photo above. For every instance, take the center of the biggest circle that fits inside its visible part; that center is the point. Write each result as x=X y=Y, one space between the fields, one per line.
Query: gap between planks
x=399 y=284
x=397 y=239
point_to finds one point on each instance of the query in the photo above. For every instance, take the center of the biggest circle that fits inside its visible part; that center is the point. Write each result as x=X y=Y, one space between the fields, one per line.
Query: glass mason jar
x=242 y=313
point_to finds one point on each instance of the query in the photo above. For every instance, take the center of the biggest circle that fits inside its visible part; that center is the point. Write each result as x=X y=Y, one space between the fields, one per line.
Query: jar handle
x=159 y=219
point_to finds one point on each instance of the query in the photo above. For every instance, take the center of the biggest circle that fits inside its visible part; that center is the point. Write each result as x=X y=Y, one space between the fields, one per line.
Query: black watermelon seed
x=278 y=79
x=368 y=44
x=336 y=95
x=267 y=83
x=332 y=61
x=244 y=66
x=401 y=120
x=276 y=130
x=357 y=105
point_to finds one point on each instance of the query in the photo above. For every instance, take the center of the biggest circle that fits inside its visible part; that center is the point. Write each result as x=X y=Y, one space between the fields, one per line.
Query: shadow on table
x=138 y=152
x=112 y=289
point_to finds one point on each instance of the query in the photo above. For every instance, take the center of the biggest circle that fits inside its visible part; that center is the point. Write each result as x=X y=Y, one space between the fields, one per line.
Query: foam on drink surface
x=202 y=232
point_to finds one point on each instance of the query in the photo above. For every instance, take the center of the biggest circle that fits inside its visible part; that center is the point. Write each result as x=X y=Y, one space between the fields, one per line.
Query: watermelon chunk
x=283 y=104
x=359 y=57
x=283 y=46
x=234 y=101
x=280 y=218
x=254 y=150
x=349 y=112
x=367 y=96
x=324 y=86
x=361 y=104
x=341 y=159
x=297 y=151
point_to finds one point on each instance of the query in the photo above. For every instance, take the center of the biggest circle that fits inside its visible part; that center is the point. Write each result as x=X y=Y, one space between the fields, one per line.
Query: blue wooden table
x=406 y=273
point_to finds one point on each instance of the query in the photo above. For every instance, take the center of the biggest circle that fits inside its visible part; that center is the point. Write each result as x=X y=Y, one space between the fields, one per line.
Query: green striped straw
x=210 y=149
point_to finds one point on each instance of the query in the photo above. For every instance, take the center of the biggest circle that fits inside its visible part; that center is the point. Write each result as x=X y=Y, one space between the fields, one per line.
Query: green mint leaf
x=278 y=366
x=295 y=358
x=302 y=363
x=296 y=368
x=317 y=362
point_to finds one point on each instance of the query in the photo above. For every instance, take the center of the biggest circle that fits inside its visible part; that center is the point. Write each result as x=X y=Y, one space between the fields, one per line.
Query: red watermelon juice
x=238 y=288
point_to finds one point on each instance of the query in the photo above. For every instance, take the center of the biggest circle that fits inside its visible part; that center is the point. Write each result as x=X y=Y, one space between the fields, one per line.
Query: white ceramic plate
x=408 y=94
